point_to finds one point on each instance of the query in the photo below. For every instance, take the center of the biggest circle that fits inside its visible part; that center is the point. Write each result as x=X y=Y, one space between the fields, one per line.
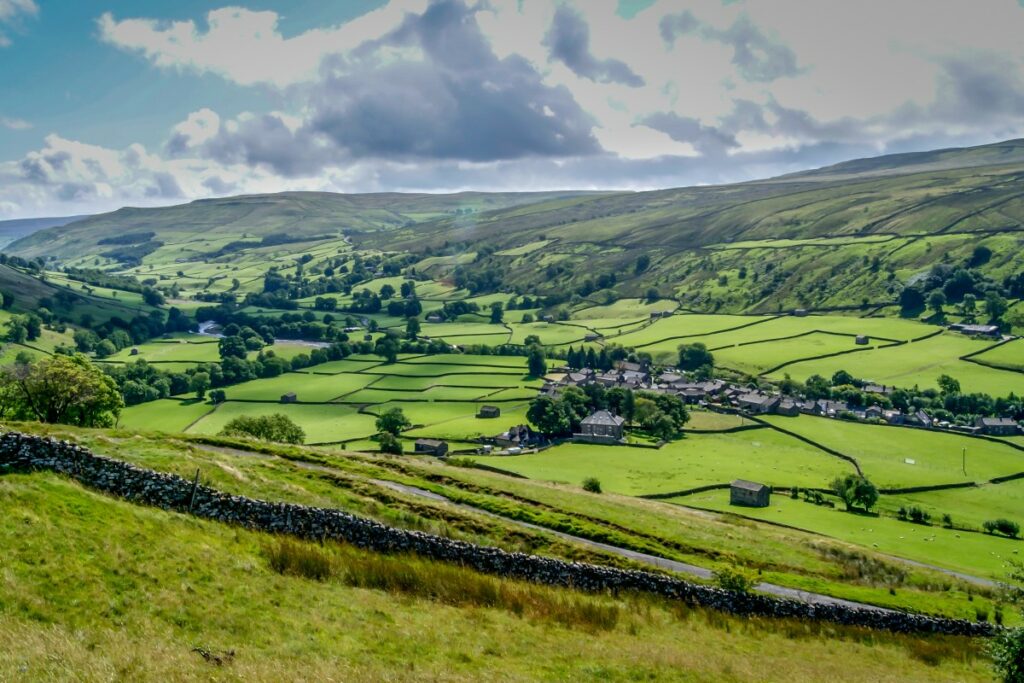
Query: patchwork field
x=696 y=460
x=897 y=457
x=919 y=364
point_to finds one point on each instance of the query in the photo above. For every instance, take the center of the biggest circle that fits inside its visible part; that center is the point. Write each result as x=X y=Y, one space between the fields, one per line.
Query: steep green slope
x=28 y=293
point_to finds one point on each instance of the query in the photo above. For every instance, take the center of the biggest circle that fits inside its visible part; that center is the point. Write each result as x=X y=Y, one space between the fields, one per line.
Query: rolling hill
x=13 y=230
x=847 y=235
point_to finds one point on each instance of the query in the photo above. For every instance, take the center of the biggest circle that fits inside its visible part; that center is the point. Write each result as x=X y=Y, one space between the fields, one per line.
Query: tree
x=389 y=443
x=218 y=396
x=652 y=295
x=1007 y=651
x=199 y=384
x=497 y=313
x=61 y=389
x=694 y=356
x=152 y=297
x=536 y=364
x=392 y=421
x=995 y=306
x=948 y=385
x=388 y=348
x=232 y=346
x=547 y=416
x=842 y=378
x=936 y=301
x=277 y=427
x=386 y=292
x=642 y=264
x=412 y=328
x=911 y=301
x=105 y=348
x=855 y=490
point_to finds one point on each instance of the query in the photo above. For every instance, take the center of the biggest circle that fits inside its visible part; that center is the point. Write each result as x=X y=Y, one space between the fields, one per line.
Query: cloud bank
x=446 y=95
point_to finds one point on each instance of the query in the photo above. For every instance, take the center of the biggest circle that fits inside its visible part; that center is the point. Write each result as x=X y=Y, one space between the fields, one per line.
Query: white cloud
x=246 y=46
x=12 y=12
x=14 y=124
x=451 y=94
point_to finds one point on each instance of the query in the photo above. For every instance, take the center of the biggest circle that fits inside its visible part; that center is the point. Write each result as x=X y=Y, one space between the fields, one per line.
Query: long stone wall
x=25 y=453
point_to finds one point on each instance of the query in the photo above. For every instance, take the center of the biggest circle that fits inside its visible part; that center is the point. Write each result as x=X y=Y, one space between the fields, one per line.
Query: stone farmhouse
x=602 y=427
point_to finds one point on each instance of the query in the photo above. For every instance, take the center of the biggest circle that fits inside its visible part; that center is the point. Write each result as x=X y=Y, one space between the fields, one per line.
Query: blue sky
x=105 y=104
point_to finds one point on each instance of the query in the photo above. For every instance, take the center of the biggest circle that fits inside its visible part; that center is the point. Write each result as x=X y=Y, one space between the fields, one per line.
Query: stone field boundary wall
x=27 y=453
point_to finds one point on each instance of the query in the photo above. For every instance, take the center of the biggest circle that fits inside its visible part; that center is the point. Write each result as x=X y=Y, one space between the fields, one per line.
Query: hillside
x=27 y=293
x=297 y=214
x=23 y=227
x=149 y=591
x=804 y=239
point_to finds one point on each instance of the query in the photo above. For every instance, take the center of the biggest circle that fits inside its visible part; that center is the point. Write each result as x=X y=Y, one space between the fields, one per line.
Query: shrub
x=947 y=521
x=1007 y=652
x=277 y=427
x=734 y=579
x=918 y=515
x=592 y=484
x=1002 y=526
x=389 y=443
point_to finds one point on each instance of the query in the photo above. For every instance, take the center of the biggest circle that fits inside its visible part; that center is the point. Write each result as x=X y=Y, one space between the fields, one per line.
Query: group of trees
x=278 y=428
x=947 y=402
x=59 y=389
x=390 y=424
x=975 y=294
x=661 y=415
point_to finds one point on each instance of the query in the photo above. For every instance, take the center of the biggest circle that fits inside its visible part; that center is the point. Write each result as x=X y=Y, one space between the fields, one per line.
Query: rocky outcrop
x=26 y=453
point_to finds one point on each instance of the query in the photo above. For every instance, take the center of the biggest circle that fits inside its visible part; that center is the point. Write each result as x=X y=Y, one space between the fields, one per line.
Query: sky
x=108 y=103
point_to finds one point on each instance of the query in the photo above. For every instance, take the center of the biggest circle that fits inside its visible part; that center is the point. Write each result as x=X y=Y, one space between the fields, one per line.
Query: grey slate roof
x=603 y=417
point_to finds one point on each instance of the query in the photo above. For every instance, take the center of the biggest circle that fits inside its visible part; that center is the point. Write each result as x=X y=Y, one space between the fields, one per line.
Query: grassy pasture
x=1009 y=355
x=697 y=460
x=974 y=553
x=440 y=369
x=882 y=452
x=233 y=600
x=551 y=334
x=165 y=415
x=474 y=379
x=759 y=357
x=188 y=350
x=468 y=359
x=308 y=388
x=337 y=367
x=325 y=423
x=918 y=363
x=969 y=506
x=663 y=335
x=624 y=308
x=438 y=394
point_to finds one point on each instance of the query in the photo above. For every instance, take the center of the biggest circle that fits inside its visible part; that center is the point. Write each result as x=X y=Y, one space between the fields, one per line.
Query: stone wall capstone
x=26 y=453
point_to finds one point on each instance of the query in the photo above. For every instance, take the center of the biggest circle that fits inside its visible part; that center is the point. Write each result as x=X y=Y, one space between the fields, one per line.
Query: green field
x=883 y=452
x=918 y=364
x=696 y=460
x=322 y=423
x=760 y=357
x=1009 y=355
x=974 y=553
x=308 y=388
x=166 y=415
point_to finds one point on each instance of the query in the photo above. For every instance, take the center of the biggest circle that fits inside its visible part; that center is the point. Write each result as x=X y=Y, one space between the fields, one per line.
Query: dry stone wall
x=26 y=453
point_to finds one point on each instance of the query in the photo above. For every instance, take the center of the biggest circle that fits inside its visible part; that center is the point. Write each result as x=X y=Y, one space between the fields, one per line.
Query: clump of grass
x=439 y=582
x=292 y=558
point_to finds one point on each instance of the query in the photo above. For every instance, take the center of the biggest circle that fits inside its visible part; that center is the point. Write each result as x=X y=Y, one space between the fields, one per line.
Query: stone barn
x=749 y=494
x=862 y=340
x=433 y=447
x=489 y=412
x=290 y=397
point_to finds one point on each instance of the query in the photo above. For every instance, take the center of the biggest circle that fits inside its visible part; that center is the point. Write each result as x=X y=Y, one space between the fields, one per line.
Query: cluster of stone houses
x=720 y=394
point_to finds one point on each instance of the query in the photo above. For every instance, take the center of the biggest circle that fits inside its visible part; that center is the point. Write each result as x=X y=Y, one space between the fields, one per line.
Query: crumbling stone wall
x=25 y=453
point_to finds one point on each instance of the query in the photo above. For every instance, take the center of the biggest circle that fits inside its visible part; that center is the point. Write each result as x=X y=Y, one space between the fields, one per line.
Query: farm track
x=636 y=556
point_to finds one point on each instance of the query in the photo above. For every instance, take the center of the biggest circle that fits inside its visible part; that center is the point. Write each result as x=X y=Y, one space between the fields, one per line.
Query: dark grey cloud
x=568 y=41
x=705 y=139
x=460 y=101
x=757 y=57
x=164 y=186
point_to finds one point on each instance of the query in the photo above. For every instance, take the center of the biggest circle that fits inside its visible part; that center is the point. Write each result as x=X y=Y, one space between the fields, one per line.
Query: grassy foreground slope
x=98 y=589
